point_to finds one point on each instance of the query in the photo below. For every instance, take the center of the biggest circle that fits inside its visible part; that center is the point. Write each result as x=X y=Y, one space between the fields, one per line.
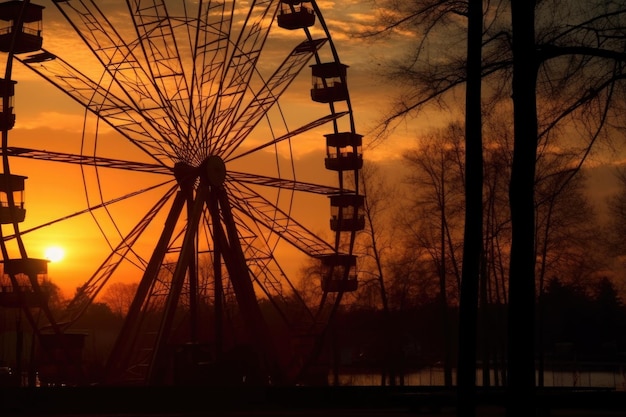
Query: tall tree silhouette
x=473 y=234
x=521 y=322
x=577 y=64
x=376 y=246
x=434 y=215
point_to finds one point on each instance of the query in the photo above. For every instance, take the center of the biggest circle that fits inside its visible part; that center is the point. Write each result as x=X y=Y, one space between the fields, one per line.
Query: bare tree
x=377 y=246
x=617 y=211
x=473 y=230
x=434 y=217
x=119 y=296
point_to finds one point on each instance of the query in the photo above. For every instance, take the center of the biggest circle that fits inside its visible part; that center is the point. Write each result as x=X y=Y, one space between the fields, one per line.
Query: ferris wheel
x=190 y=158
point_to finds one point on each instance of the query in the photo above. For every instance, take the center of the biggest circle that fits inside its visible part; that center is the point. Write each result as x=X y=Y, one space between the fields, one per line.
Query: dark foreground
x=292 y=401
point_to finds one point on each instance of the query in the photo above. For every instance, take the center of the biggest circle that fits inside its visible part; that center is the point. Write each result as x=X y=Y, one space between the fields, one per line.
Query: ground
x=293 y=401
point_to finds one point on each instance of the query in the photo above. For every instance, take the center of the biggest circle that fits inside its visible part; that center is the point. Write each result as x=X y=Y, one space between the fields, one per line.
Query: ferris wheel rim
x=334 y=115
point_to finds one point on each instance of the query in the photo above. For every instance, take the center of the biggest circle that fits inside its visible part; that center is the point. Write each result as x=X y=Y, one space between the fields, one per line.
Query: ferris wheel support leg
x=119 y=357
x=237 y=267
x=219 y=285
x=157 y=369
x=192 y=268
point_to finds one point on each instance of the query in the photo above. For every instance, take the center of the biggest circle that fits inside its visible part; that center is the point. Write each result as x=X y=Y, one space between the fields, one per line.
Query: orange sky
x=48 y=119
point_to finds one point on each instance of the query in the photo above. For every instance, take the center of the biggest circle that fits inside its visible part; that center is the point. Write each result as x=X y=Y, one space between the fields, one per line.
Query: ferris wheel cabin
x=24 y=269
x=14 y=185
x=343 y=151
x=7 y=93
x=339 y=273
x=294 y=15
x=347 y=212
x=329 y=82
x=27 y=35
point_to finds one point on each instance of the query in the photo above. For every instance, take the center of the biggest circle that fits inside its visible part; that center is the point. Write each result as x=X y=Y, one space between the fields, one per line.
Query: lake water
x=612 y=377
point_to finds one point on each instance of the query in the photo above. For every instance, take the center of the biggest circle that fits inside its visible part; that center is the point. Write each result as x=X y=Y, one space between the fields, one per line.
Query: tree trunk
x=472 y=248
x=521 y=320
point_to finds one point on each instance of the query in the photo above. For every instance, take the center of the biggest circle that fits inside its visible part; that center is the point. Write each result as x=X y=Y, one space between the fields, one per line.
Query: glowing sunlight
x=54 y=253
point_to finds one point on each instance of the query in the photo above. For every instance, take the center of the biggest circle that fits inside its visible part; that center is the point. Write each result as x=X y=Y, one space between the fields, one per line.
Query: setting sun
x=54 y=253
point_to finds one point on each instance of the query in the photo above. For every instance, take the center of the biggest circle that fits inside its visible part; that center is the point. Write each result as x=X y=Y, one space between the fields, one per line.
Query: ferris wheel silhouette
x=206 y=94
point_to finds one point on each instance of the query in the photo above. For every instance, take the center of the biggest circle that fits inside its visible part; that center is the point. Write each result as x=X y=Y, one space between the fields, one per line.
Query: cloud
x=54 y=120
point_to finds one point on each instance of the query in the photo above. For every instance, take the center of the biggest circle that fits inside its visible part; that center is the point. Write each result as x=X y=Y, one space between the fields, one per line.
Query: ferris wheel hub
x=215 y=170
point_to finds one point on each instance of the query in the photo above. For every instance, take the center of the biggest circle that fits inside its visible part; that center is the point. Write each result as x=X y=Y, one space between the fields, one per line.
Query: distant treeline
x=574 y=324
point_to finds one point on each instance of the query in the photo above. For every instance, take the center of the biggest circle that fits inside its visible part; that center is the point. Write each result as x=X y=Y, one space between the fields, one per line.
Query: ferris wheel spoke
x=265 y=99
x=88 y=291
x=117 y=57
x=241 y=65
x=283 y=183
x=266 y=269
x=160 y=46
x=305 y=128
x=130 y=122
x=257 y=243
x=258 y=209
x=269 y=277
x=89 y=209
x=253 y=236
x=86 y=160
x=208 y=58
